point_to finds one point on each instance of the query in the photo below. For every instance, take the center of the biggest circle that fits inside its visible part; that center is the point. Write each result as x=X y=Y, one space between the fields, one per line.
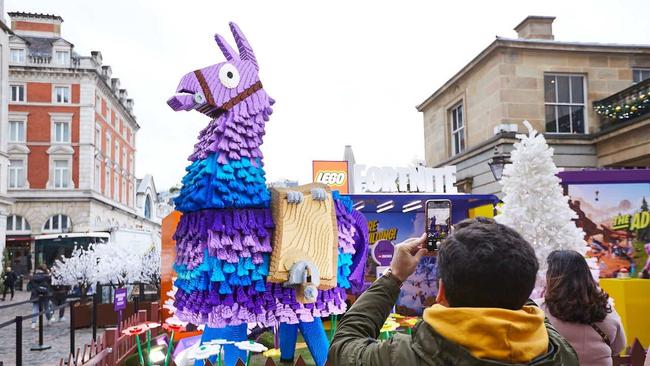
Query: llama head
x=215 y=89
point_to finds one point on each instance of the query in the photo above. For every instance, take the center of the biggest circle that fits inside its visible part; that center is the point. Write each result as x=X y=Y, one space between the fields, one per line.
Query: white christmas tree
x=533 y=202
x=118 y=265
x=150 y=266
x=79 y=270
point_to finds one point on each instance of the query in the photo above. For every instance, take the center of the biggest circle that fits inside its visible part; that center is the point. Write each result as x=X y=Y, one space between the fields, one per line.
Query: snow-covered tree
x=118 y=264
x=80 y=269
x=150 y=266
x=533 y=202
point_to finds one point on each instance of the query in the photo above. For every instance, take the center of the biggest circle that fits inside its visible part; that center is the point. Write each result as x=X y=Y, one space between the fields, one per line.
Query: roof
x=34 y=15
x=535 y=44
x=144 y=183
x=40 y=46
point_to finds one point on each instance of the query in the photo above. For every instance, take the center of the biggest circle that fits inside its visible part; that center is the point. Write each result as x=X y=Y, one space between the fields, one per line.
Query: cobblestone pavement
x=56 y=335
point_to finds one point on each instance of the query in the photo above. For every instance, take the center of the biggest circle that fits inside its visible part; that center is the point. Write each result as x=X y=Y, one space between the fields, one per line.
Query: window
x=107 y=149
x=564 y=97
x=61 y=174
x=123 y=198
x=16 y=173
x=57 y=223
x=61 y=131
x=116 y=155
x=16 y=131
x=116 y=187
x=98 y=176
x=98 y=138
x=17 y=223
x=62 y=57
x=131 y=167
x=123 y=158
x=62 y=94
x=17 y=55
x=457 y=118
x=147 y=207
x=18 y=93
x=638 y=75
x=107 y=182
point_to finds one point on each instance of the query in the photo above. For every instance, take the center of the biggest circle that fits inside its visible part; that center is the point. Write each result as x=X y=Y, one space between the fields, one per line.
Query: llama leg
x=316 y=339
x=288 y=334
x=231 y=353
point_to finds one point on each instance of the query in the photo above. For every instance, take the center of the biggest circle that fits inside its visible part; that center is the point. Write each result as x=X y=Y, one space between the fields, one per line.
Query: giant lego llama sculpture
x=224 y=236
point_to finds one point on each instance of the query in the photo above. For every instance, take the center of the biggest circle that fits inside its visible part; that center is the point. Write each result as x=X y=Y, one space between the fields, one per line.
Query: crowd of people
x=483 y=313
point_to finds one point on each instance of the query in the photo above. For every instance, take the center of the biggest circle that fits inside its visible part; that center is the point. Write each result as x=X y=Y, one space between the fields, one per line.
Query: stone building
x=71 y=141
x=555 y=85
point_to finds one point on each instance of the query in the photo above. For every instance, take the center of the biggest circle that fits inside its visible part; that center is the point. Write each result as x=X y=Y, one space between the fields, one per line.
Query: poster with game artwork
x=616 y=222
x=387 y=229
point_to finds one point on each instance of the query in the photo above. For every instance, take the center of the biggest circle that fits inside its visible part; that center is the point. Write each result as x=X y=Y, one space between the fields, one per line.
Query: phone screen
x=438 y=216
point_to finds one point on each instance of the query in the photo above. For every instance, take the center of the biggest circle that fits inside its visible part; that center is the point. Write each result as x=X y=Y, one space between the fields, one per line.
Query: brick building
x=562 y=88
x=71 y=140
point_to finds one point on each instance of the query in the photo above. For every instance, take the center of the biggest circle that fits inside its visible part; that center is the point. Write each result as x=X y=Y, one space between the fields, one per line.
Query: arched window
x=147 y=207
x=17 y=225
x=57 y=224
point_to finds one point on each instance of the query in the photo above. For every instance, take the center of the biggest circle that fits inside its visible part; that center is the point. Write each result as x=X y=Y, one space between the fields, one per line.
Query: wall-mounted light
x=498 y=163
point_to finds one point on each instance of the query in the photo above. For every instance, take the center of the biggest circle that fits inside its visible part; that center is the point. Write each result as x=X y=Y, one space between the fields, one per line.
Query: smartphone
x=438 y=222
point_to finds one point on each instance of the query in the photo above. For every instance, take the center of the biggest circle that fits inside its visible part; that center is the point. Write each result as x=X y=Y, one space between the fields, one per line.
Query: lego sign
x=332 y=173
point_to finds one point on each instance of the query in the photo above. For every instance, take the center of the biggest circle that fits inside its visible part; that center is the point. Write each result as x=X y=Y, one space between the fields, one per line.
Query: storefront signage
x=637 y=221
x=412 y=179
x=332 y=173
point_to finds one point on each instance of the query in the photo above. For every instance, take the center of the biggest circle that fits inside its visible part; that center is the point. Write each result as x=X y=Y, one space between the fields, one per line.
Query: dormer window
x=62 y=57
x=17 y=55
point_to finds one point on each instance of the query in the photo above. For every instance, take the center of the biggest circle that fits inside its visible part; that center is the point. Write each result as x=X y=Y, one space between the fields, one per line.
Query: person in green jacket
x=482 y=316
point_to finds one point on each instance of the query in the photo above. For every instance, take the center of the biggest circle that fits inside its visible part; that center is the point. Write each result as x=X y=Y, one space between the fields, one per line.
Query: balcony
x=46 y=60
x=625 y=105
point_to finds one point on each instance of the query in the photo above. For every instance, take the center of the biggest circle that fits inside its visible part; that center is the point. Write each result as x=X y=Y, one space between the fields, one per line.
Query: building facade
x=556 y=86
x=5 y=200
x=71 y=140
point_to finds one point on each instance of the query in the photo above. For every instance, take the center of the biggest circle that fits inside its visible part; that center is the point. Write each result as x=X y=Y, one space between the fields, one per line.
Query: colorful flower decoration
x=273 y=352
x=389 y=326
x=219 y=342
x=151 y=325
x=173 y=327
x=251 y=346
x=205 y=351
x=135 y=330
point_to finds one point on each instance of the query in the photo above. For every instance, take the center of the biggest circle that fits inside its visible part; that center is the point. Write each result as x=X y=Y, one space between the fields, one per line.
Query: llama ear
x=245 y=49
x=225 y=48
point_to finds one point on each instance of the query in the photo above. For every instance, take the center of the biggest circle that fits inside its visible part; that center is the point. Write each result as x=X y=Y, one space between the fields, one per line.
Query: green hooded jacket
x=355 y=342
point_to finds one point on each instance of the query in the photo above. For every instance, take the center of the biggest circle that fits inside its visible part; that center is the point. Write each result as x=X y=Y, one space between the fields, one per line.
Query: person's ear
x=441 y=297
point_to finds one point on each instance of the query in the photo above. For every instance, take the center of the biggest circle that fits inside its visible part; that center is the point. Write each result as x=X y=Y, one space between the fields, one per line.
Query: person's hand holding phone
x=406 y=257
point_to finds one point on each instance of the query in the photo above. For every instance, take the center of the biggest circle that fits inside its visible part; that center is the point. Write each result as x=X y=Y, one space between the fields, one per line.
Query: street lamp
x=497 y=163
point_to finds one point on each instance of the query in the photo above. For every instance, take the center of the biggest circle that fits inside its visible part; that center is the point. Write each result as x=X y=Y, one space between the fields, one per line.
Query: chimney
x=36 y=24
x=535 y=27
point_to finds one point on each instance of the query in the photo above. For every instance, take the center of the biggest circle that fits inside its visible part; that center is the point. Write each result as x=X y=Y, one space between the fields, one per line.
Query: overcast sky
x=342 y=72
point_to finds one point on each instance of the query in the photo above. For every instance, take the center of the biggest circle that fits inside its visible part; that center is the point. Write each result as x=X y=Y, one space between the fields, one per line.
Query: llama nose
x=181 y=102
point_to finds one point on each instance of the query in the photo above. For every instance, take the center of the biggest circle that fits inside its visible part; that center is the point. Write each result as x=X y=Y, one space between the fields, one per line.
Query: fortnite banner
x=616 y=221
x=387 y=229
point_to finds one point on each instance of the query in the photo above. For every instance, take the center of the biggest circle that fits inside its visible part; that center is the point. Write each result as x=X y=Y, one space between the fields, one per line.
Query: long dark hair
x=572 y=295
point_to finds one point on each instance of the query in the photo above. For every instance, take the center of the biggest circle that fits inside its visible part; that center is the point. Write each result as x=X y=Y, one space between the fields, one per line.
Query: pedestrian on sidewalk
x=41 y=291
x=59 y=295
x=9 y=279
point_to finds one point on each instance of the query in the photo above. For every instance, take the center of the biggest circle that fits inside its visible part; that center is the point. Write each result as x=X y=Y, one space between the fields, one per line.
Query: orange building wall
x=29 y=26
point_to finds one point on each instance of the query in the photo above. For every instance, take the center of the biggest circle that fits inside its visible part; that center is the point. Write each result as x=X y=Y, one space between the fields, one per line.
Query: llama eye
x=229 y=76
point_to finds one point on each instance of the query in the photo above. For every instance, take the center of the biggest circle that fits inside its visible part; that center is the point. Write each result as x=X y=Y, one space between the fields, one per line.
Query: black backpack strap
x=602 y=334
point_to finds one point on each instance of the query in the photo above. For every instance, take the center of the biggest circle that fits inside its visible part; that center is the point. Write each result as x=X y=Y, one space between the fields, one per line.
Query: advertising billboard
x=616 y=222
